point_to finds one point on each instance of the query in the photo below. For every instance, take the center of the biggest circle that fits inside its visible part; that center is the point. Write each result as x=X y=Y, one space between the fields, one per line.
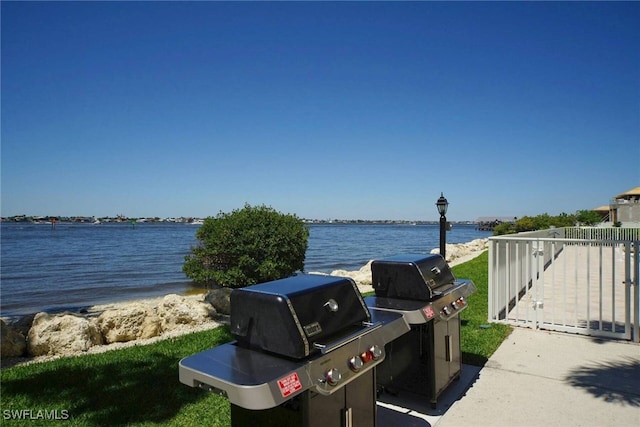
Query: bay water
x=72 y=266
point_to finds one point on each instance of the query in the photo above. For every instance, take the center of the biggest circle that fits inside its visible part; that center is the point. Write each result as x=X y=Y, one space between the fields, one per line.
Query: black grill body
x=292 y=317
x=409 y=276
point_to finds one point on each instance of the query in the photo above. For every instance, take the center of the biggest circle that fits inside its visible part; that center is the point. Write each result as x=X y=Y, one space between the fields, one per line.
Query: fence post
x=636 y=291
x=491 y=308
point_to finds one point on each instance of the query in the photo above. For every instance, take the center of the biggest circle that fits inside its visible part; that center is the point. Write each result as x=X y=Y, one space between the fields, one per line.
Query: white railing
x=545 y=280
x=602 y=233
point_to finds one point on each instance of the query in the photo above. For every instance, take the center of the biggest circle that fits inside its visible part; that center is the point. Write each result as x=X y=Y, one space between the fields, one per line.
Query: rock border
x=108 y=327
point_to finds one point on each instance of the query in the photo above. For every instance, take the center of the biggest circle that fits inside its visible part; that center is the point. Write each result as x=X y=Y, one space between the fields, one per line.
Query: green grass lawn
x=132 y=386
x=139 y=385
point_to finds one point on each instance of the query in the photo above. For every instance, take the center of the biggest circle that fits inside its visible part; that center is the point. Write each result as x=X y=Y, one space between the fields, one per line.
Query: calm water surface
x=78 y=265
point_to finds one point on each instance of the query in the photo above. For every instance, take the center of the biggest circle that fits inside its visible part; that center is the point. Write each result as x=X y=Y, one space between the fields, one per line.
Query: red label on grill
x=289 y=384
x=428 y=311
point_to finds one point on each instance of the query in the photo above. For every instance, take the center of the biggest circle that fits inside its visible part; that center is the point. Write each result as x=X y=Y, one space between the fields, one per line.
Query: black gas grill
x=296 y=317
x=423 y=289
x=304 y=354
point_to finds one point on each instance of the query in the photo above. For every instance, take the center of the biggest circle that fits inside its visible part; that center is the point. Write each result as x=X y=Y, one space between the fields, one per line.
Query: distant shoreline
x=49 y=219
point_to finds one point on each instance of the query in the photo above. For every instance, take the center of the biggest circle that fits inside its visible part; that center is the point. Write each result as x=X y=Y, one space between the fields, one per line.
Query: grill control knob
x=332 y=376
x=355 y=363
x=446 y=310
x=376 y=352
x=454 y=305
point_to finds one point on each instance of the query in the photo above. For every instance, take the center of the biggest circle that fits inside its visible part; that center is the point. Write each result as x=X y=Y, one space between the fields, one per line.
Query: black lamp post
x=442 y=204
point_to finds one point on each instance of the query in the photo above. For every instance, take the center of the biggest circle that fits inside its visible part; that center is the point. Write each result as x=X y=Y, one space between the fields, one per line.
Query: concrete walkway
x=535 y=378
x=539 y=378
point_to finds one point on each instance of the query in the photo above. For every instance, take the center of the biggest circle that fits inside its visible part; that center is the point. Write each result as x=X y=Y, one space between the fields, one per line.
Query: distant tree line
x=545 y=221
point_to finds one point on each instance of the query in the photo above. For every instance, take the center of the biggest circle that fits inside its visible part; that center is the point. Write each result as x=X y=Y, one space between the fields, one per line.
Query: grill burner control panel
x=345 y=363
x=418 y=312
x=454 y=301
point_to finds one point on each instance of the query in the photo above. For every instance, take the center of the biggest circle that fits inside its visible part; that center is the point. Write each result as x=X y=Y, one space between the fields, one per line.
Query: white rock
x=460 y=250
x=176 y=310
x=362 y=277
x=130 y=322
x=62 y=334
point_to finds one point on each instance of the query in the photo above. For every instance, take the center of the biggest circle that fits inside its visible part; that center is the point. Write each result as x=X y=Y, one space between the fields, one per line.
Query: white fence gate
x=544 y=280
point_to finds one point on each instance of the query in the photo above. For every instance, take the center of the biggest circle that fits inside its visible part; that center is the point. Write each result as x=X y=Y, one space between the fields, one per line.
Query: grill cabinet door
x=352 y=406
x=447 y=355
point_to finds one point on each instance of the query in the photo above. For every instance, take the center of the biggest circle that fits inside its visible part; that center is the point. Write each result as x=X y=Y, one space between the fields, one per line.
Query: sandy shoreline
x=95 y=310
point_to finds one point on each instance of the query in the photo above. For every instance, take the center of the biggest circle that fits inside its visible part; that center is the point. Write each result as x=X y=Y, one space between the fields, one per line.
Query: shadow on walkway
x=612 y=381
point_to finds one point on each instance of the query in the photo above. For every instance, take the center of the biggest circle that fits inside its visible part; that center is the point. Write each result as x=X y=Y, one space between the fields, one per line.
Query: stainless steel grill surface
x=304 y=354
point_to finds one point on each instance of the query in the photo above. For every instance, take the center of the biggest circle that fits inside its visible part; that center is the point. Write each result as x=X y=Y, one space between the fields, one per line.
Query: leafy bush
x=247 y=246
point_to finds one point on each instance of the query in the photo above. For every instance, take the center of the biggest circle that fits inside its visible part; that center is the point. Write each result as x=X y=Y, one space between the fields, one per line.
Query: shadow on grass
x=617 y=382
x=473 y=359
x=107 y=393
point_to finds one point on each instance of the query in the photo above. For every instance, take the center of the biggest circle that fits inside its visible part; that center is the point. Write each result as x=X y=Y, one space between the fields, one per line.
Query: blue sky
x=350 y=110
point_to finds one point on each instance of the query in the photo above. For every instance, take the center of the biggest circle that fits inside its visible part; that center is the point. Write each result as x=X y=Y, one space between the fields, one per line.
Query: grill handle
x=325 y=348
x=448 y=348
x=348 y=417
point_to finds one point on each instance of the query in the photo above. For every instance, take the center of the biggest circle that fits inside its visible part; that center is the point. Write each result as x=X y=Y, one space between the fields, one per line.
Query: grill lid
x=289 y=316
x=411 y=276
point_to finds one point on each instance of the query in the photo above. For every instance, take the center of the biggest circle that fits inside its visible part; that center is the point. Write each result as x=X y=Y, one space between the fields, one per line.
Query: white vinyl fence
x=546 y=280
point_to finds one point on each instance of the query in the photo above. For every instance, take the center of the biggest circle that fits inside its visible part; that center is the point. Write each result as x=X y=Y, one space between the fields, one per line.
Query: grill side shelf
x=258 y=380
x=246 y=377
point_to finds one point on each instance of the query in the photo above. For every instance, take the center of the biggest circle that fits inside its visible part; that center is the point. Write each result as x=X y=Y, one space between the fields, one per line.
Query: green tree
x=563 y=220
x=247 y=246
x=526 y=223
x=587 y=217
x=542 y=222
x=503 y=228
